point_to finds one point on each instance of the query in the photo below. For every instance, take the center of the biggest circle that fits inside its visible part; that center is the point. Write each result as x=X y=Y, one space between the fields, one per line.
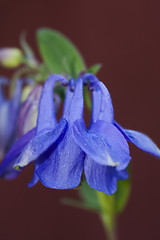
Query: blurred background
x=124 y=36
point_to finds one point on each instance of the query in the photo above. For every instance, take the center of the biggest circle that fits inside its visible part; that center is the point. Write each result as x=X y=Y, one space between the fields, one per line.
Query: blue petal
x=3 y=81
x=91 y=77
x=76 y=105
x=46 y=113
x=6 y=167
x=140 y=140
x=67 y=103
x=103 y=143
x=57 y=102
x=100 y=177
x=35 y=178
x=105 y=111
x=96 y=105
x=40 y=143
x=9 y=110
x=121 y=175
x=63 y=169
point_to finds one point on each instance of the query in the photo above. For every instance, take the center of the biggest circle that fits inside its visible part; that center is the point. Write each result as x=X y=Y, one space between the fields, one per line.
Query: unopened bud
x=10 y=57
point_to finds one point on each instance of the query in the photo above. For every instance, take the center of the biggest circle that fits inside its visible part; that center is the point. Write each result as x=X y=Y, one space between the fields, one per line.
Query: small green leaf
x=122 y=195
x=78 y=204
x=89 y=196
x=95 y=68
x=59 y=54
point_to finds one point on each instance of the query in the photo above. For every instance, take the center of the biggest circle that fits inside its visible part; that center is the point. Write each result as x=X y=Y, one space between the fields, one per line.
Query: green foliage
x=58 y=53
x=95 y=68
x=101 y=202
x=122 y=195
x=89 y=196
x=110 y=204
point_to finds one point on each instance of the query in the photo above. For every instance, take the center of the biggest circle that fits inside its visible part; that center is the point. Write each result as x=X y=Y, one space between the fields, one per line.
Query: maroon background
x=124 y=36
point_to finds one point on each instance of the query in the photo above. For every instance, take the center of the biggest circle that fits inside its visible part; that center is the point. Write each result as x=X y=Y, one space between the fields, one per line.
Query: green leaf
x=78 y=204
x=95 y=68
x=122 y=195
x=89 y=196
x=59 y=54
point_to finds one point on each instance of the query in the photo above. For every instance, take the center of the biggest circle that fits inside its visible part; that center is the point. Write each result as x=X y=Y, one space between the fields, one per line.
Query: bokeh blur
x=124 y=36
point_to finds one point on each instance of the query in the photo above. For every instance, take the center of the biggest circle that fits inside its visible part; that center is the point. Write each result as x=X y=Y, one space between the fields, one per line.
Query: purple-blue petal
x=6 y=167
x=35 y=178
x=103 y=143
x=106 y=110
x=141 y=140
x=102 y=108
x=3 y=81
x=100 y=177
x=9 y=110
x=76 y=105
x=96 y=105
x=121 y=175
x=40 y=143
x=46 y=112
x=67 y=103
x=63 y=168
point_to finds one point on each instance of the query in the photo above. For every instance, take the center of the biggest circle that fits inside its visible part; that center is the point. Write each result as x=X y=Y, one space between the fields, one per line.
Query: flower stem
x=18 y=74
x=107 y=214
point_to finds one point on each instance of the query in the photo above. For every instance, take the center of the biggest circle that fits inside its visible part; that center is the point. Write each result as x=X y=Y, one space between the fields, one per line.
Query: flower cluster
x=62 y=151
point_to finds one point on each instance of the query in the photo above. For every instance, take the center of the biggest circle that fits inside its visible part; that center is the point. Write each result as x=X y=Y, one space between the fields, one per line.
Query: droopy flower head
x=53 y=147
x=63 y=150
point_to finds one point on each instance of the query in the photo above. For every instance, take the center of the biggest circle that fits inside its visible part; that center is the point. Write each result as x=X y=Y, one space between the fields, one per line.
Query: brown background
x=124 y=36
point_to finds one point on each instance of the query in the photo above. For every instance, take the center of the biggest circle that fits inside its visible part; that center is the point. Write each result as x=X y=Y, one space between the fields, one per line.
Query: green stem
x=107 y=214
x=16 y=76
x=19 y=73
x=110 y=231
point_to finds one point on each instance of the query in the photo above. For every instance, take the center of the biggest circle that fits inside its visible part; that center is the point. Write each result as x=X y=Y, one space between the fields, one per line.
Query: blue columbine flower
x=31 y=145
x=58 y=159
x=61 y=164
x=139 y=139
x=64 y=166
x=62 y=151
x=102 y=134
x=107 y=151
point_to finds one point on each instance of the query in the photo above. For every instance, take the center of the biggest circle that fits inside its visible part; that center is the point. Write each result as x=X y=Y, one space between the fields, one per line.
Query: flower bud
x=10 y=57
x=29 y=111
